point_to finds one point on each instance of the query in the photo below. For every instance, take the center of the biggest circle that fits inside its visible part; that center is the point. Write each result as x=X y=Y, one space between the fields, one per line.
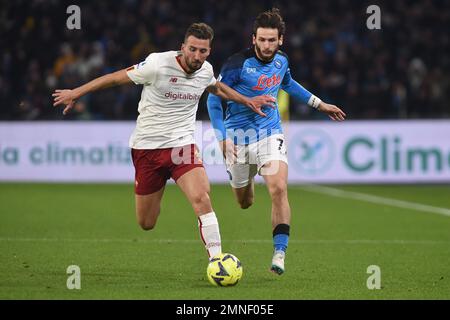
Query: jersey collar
x=178 y=58
x=253 y=51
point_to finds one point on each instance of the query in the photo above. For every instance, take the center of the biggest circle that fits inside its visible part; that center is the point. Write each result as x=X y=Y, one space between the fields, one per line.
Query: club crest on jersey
x=278 y=64
x=267 y=82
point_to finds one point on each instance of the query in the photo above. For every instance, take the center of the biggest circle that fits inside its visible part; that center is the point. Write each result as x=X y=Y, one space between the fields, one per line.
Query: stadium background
x=393 y=83
x=399 y=72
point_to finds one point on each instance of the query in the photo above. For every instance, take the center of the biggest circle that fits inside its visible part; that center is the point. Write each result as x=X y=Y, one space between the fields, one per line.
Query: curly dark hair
x=270 y=19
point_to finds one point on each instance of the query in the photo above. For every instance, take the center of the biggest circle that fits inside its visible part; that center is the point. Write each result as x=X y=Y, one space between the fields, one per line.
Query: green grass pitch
x=44 y=228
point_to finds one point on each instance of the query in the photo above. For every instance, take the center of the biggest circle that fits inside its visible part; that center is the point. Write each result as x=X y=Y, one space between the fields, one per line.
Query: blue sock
x=281 y=237
x=280 y=242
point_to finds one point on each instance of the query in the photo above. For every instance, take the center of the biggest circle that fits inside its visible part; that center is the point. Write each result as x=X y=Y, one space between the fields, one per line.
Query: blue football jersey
x=250 y=76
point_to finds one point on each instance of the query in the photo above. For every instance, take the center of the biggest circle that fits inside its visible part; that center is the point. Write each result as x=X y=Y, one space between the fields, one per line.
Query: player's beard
x=267 y=55
x=194 y=65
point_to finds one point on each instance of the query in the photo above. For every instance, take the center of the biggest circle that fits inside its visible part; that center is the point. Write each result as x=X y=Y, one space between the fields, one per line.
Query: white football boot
x=278 y=262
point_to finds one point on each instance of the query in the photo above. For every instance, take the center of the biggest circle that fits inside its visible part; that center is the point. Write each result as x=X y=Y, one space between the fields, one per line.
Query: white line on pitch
x=375 y=199
x=257 y=241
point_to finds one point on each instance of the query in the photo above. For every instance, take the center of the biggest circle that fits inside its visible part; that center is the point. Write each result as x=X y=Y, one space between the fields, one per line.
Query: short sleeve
x=213 y=81
x=145 y=71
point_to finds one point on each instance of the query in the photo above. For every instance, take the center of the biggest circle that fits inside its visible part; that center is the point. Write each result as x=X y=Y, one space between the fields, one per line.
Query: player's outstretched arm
x=256 y=103
x=68 y=97
x=296 y=90
x=335 y=113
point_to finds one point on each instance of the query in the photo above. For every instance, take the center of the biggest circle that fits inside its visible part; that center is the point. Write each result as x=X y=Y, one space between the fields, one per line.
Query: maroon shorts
x=154 y=167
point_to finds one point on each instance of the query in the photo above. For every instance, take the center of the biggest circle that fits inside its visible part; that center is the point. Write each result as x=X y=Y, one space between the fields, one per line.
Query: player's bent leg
x=245 y=195
x=150 y=180
x=195 y=185
x=242 y=184
x=281 y=212
x=277 y=186
x=148 y=208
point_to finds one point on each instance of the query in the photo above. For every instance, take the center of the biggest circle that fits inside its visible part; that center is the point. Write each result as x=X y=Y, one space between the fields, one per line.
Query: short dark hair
x=270 y=19
x=200 y=30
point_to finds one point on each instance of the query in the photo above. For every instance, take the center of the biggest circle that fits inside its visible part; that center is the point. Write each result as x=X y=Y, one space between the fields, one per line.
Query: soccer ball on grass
x=224 y=270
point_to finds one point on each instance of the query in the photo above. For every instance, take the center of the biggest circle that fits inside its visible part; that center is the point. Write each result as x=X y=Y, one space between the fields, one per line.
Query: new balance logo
x=173 y=80
x=213 y=244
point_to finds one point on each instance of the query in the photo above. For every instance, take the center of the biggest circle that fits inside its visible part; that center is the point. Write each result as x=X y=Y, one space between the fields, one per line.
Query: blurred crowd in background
x=398 y=72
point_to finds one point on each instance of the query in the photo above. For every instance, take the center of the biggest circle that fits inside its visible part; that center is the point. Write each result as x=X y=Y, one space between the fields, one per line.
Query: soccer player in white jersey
x=162 y=144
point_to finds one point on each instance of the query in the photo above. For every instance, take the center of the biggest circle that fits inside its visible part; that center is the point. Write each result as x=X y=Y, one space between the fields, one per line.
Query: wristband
x=314 y=102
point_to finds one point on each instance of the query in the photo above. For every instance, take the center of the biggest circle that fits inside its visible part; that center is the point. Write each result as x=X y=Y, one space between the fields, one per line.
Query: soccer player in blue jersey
x=253 y=143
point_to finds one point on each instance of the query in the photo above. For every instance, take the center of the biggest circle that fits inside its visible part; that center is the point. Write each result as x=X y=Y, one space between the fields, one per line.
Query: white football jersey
x=169 y=101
